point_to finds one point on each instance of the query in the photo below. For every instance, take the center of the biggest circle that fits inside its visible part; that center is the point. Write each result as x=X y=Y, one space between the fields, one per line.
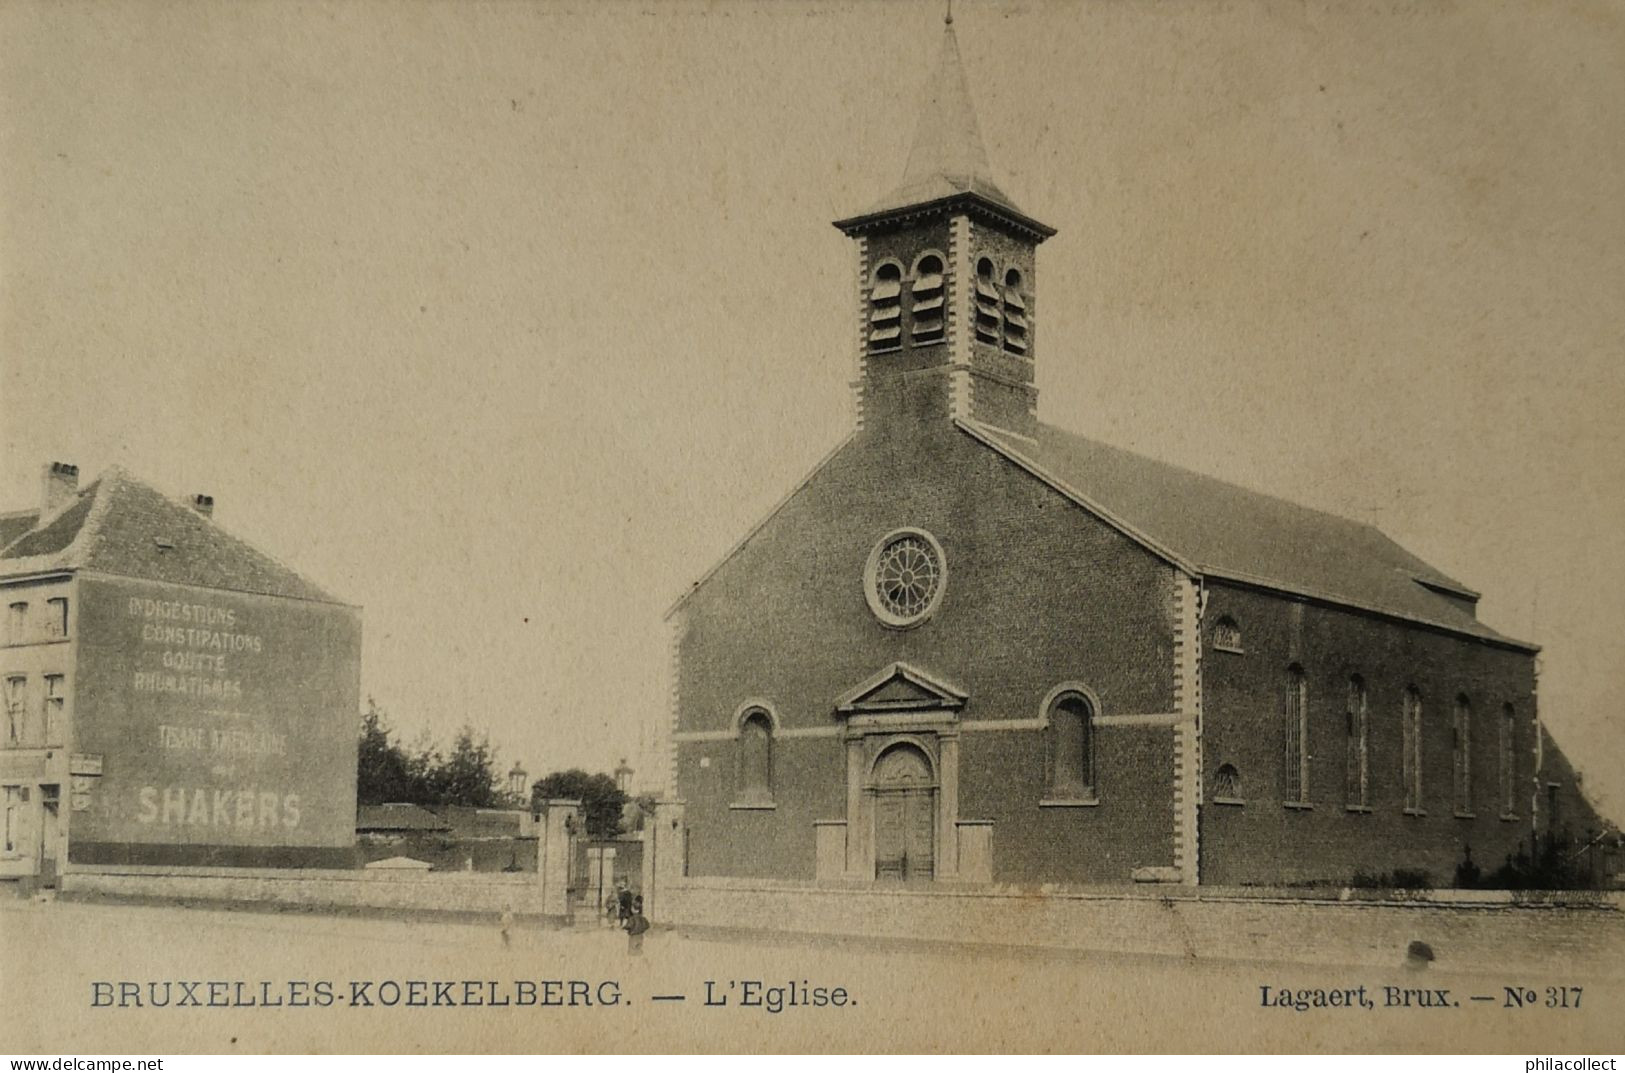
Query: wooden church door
x=905 y=815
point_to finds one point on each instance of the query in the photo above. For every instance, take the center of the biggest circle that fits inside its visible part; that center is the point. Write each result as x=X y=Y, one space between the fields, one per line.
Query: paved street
x=55 y=955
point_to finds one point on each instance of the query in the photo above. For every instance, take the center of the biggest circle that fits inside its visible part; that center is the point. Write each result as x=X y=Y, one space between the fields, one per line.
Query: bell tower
x=946 y=279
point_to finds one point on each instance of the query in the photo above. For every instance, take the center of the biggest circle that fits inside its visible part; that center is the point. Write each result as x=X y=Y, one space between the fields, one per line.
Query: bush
x=1559 y=864
x=1398 y=879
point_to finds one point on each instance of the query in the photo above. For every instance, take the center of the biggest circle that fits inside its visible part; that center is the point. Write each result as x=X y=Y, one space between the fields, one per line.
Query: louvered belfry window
x=987 y=303
x=926 y=307
x=886 y=308
x=1015 y=315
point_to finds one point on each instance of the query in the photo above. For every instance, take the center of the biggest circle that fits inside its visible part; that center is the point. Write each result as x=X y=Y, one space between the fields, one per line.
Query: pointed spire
x=948 y=161
x=948 y=155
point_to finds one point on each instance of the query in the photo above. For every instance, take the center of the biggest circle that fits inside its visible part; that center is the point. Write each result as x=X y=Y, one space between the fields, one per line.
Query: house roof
x=398 y=817
x=1221 y=530
x=14 y=524
x=120 y=525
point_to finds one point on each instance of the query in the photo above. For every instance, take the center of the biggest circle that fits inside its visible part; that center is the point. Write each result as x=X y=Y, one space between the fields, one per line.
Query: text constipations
x=198 y=639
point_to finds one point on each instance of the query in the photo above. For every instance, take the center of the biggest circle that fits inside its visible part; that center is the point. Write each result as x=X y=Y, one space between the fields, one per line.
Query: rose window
x=905 y=577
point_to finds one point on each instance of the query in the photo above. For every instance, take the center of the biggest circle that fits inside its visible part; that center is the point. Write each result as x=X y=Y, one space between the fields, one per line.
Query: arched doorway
x=905 y=814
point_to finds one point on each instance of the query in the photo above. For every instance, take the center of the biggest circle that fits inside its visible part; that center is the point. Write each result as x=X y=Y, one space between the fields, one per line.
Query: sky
x=505 y=321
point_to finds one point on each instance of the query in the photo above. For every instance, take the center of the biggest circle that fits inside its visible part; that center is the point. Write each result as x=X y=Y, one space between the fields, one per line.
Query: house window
x=1295 y=724
x=756 y=759
x=56 y=617
x=55 y=700
x=13 y=818
x=1356 y=732
x=1509 y=766
x=1072 y=761
x=1015 y=315
x=926 y=304
x=1227 y=635
x=1411 y=749
x=987 y=303
x=1227 y=785
x=17 y=623
x=1462 y=748
x=16 y=710
x=886 y=308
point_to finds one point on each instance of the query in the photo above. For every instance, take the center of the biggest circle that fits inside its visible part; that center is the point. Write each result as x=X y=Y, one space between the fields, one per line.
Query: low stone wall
x=440 y=892
x=1542 y=935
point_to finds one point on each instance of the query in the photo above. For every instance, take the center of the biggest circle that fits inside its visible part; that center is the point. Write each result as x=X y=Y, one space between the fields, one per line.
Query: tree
x=421 y=775
x=601 y=800
x=382 y=774
x=468 y=776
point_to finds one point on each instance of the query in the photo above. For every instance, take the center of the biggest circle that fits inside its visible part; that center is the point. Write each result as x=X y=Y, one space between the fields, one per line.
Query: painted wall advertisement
x=222 y=718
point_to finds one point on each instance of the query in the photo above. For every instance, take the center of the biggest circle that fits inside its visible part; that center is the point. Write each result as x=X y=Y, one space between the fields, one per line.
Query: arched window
x=1295 y=727
x=926 y=307
x=1462 y=752
x=1015 y=314
x=756 y=759
x=987 y=303
x=1411 y=749
x=1509 y=764
x=1072 y=760
x=1227 y=785
x=1355 y=731
x=1227 y=635
x=886 y=308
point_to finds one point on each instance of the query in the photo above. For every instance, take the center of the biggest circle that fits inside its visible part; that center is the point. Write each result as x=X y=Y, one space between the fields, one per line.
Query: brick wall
x=1584 y=936
x=1037 y=593
x=464 y=892
x=1265 y=841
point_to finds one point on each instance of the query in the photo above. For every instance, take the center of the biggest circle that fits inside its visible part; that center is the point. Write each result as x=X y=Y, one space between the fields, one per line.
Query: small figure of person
x=624 y=901
x=612 y=904
x=507 y=926
x=636 y=925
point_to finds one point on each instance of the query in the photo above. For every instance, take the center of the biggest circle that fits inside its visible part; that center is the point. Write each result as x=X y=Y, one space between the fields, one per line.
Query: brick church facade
x=974 y=648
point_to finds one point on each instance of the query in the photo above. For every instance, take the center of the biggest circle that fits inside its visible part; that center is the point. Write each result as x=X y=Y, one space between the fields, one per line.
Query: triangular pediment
x=900 y=688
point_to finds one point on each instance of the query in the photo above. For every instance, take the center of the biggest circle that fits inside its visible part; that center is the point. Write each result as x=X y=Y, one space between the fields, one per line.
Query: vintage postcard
x=1058 y=525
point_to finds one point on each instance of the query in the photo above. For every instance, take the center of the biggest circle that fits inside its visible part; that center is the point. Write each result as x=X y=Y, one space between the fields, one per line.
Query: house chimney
x=203 y=504
x=60 y=484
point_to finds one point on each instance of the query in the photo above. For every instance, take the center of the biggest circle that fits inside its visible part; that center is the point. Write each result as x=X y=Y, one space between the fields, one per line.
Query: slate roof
x=15 y=523
x=1217 y=529
x=119 y=525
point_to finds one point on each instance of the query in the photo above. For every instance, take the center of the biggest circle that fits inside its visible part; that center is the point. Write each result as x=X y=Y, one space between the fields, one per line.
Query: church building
x=974 y=648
